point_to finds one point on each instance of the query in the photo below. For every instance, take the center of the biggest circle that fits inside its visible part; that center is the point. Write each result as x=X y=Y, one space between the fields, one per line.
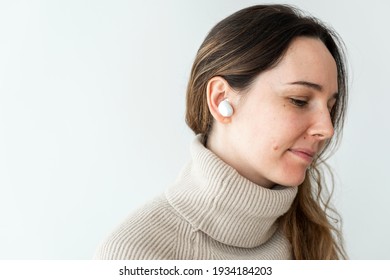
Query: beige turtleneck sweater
x=210 y=212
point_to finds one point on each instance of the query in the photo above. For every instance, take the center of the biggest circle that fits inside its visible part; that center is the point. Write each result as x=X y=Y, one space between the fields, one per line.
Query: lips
x=304 y=154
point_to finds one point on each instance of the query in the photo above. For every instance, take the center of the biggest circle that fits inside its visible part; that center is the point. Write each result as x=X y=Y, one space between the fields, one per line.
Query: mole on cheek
x=275 y=147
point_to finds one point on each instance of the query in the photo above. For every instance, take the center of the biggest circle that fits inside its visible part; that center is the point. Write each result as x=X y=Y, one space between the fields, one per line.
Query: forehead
x=307 y=59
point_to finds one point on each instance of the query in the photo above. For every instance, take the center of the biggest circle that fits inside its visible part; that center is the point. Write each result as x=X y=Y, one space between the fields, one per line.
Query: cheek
x=272 y=131
x=282 y=136
x=291 y=126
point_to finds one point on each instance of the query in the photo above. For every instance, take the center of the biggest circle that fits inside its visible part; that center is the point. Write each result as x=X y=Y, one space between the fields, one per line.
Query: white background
x=92 y=116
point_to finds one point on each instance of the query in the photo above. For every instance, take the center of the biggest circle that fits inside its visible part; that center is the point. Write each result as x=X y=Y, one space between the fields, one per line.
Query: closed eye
x=298 y=102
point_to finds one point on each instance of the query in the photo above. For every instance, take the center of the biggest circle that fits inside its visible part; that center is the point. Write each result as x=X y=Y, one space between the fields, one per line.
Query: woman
x=266 y=99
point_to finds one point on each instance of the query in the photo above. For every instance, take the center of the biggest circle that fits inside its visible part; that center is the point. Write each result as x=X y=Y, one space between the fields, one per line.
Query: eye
x=332 y=105
x=298 y=102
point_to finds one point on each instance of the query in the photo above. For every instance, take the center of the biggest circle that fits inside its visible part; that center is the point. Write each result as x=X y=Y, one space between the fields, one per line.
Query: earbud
x=225 y=108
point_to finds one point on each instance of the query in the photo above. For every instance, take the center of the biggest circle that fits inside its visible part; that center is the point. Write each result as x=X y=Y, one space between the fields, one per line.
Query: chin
x=292 y=181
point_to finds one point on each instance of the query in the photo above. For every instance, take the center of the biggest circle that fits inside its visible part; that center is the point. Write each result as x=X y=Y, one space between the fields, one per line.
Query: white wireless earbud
x=225 y=108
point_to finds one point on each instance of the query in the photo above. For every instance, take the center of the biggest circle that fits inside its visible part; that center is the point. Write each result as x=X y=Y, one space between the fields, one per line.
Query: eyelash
x=298 y=102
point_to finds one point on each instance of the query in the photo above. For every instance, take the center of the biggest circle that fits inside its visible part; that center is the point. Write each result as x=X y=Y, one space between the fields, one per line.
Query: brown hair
x=238 y=49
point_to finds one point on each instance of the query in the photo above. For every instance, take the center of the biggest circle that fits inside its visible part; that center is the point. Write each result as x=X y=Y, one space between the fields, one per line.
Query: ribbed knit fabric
x=210 y=212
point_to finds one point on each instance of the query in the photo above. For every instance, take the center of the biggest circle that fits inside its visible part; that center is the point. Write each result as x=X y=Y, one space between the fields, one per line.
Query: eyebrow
x=312 y=86
x=307 y=84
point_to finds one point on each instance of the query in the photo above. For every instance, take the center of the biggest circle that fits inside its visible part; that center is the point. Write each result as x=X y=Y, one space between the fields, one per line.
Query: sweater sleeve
x=147 y=234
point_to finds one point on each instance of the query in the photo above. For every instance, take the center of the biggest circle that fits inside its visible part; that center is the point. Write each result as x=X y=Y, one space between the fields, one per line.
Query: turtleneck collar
x=218 y=201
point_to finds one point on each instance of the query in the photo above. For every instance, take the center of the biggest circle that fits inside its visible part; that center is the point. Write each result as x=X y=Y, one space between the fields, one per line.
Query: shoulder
x=148 y=233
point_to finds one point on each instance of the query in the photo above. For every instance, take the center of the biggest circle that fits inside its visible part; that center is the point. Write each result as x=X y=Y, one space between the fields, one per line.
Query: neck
x=220 y=145
x=218 y=201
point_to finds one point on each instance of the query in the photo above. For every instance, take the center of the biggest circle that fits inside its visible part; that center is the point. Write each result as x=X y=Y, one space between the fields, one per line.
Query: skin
x=282 y=121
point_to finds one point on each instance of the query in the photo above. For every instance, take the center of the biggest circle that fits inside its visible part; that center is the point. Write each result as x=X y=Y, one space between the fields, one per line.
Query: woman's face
x=283 y=121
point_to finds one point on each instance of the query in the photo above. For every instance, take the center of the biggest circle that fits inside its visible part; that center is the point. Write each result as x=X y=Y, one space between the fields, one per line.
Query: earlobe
x=219 y=106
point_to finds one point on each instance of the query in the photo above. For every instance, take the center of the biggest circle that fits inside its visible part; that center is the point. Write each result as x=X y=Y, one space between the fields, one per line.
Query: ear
x=217 y=90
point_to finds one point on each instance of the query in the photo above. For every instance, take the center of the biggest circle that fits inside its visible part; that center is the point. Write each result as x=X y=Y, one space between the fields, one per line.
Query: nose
x=322 y=126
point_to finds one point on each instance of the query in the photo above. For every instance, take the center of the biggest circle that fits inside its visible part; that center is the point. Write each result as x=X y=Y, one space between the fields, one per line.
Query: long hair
x=238 y=49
